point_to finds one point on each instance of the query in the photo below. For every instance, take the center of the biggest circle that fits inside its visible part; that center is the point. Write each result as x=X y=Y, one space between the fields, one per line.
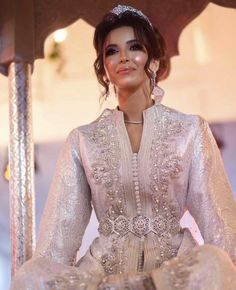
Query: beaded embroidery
x=140 y=226
x=105 y=170
x=165 y=164
x=110 y=261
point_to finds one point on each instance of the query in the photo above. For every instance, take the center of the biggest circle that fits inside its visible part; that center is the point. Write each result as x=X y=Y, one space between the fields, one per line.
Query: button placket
x=136 y=182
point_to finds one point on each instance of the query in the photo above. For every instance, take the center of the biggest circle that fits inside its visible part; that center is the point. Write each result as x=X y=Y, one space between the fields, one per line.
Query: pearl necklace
x=133 y=122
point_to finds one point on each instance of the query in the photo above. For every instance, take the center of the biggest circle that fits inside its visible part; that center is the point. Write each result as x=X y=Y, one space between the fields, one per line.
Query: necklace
x=133 y=122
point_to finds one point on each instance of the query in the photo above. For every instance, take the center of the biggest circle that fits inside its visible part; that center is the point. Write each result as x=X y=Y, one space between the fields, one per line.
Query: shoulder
x=195 y=121
x=81 y=131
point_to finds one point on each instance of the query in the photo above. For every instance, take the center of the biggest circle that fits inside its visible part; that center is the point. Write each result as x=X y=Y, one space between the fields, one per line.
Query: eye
x=137 y=46
x=110 y=51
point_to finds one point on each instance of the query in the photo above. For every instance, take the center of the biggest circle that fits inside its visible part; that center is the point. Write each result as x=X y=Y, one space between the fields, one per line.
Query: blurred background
x=66 y=95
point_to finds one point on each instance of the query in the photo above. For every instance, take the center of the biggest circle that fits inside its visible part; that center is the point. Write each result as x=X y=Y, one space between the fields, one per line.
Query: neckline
x=156 y=101
x=147 y=114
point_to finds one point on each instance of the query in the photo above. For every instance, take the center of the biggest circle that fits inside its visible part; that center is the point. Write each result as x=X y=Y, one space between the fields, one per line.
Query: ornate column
x=21 y=158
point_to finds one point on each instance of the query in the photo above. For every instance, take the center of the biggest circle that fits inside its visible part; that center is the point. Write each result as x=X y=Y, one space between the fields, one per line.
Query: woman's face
x=124 y=59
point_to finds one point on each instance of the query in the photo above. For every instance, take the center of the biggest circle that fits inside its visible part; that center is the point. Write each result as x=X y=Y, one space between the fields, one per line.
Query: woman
x=140 y=166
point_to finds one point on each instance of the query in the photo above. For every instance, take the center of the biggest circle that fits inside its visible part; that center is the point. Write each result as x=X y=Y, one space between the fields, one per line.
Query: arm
x=68 y=207
x=64 y=220
x=210 y=200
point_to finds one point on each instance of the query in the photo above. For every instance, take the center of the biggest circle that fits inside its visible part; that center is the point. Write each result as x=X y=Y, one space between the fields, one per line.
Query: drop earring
x=108 y=93
x=157 y=92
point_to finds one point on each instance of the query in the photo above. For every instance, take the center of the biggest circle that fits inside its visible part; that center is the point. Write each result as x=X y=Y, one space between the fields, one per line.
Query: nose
x=124 y=57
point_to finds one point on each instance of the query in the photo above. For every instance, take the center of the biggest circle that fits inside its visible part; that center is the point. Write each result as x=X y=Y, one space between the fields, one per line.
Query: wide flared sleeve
x=66 y=215
x=68 y=207
x=210 y=199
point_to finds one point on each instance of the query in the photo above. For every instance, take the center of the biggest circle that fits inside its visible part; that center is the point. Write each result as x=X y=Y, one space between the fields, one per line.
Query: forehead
x=120 y=35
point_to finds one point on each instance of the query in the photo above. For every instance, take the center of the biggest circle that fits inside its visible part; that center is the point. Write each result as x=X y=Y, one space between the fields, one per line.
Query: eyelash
x=137 y=46
x=133 y=47
x=110 y=51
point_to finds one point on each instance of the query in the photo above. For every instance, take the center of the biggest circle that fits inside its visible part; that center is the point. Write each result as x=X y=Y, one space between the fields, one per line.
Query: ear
x=154 y=65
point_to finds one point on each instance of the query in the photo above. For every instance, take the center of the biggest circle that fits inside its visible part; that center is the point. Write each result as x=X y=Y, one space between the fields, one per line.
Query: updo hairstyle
x=147 y=35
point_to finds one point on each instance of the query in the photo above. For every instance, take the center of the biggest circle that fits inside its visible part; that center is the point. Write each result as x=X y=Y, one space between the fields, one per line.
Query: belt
x=139 y=225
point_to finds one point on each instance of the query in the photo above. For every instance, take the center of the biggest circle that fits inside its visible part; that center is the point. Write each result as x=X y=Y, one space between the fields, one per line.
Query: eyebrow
x=127 y=42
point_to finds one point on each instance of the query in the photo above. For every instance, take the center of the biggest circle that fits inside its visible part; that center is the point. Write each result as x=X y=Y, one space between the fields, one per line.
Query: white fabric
x=139 y=199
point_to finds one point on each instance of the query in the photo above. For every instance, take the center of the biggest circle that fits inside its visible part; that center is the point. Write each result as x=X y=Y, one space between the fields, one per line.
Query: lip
x=124 y=70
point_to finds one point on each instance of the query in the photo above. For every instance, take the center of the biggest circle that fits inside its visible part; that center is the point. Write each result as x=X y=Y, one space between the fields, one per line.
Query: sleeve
x=66 y=215
x=68 y=207
x=210 y=199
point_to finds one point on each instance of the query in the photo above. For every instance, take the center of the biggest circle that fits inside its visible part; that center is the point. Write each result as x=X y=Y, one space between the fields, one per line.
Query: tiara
x=120 y=9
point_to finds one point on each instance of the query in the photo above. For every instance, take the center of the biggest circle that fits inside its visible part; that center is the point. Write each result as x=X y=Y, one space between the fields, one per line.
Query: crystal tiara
x=120 y=9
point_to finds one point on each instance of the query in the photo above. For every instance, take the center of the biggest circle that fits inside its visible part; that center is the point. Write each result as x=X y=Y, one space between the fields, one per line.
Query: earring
x=108 y=93
x=156 y=90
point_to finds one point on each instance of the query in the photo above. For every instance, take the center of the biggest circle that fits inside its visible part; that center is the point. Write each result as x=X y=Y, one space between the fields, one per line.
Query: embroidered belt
x=140 y=226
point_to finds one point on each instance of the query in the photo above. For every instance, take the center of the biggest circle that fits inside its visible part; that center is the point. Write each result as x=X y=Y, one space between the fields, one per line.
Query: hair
x=149 y=36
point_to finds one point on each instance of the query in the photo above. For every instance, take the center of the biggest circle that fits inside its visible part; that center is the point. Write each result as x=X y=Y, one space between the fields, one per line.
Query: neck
x=133 y=104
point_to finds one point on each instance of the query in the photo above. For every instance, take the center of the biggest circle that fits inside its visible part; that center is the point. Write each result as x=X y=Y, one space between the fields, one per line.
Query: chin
x=128 y=85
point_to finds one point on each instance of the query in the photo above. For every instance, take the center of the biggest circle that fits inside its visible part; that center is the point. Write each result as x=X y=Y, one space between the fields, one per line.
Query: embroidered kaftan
x=139 y=199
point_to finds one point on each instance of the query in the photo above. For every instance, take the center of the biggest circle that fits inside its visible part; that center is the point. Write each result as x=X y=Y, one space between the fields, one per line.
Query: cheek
x=140 y=59
x=110 y=64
